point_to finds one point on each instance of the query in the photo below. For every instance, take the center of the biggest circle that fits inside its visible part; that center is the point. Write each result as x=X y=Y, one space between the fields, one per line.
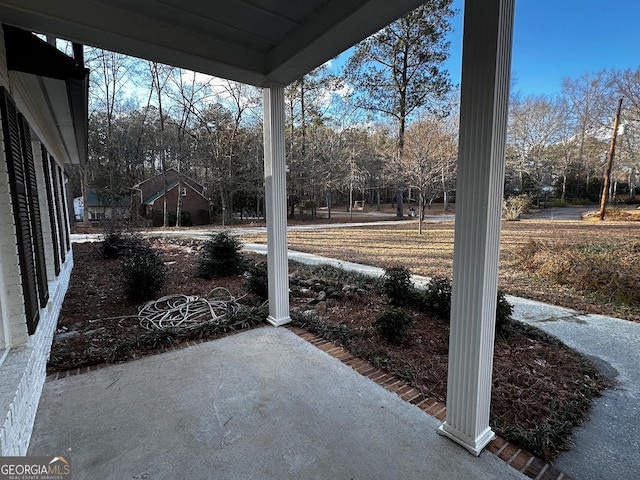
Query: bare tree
x=587 y=98
x=160 y=75
x=309 y=100
x=109 y=80
x=429 y=161
x=399 y=71
x=627 y=84
x=535 y=124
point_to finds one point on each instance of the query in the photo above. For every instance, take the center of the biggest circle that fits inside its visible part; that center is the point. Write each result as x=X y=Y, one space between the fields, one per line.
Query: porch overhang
x=61 y=83
x=254 y=42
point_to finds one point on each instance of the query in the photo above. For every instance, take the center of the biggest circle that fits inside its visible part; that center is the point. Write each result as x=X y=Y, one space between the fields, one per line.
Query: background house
x=99 y=207
x=148 y=199
x=43 y=105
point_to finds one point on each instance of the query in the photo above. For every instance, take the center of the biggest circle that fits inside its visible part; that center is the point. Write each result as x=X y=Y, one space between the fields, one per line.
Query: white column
x=276 y=204
x=486 y=63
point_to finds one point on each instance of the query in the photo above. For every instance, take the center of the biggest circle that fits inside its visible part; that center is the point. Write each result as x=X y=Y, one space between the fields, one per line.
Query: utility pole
x=612 y=149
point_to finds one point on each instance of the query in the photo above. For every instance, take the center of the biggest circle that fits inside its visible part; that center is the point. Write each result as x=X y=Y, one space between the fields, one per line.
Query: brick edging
x=521 y=460
x=178 y=346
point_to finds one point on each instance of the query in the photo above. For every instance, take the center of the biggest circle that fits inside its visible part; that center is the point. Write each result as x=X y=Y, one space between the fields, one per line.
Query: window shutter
x=21 y=212
x=52 y=209
x=65 y=212
x=57 y=192
x=34 y=207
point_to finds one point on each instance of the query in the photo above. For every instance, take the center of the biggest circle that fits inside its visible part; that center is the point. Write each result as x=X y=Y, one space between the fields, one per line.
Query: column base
x=277 y=322
x=473 y=445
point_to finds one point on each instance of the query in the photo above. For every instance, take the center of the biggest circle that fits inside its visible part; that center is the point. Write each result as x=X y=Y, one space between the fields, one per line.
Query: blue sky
x=554 y=39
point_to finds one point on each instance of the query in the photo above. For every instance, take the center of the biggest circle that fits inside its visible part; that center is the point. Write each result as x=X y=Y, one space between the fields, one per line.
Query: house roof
x=259 y=42
x=184 y=178
x=159 y=194
x=95 y=199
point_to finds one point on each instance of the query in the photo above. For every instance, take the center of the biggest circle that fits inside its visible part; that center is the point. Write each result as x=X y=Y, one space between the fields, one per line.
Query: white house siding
x=11 y=298
x=23 y=358
x=47 y=232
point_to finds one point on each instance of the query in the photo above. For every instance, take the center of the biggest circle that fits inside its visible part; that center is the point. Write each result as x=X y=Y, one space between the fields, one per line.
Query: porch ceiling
x=258 y=42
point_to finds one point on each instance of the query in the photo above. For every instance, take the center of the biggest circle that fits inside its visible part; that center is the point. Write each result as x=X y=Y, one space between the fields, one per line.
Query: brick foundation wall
x=23 y=372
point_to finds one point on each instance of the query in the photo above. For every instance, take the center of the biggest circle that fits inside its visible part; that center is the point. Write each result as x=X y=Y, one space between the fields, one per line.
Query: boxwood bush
x=220 y=256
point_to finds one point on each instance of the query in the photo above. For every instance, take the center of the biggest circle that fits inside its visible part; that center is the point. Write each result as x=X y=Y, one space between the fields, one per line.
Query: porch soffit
x=258 y=42
x=62 y=83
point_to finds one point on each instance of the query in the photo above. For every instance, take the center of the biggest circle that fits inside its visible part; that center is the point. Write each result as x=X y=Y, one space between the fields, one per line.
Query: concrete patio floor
x=261 y=404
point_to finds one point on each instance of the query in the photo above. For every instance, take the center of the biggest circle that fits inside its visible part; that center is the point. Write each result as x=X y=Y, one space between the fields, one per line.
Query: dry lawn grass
x=431 y=254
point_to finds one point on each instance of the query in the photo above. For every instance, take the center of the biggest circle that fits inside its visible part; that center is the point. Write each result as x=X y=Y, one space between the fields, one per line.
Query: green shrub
x=118 y=239
x=394 y=324
x=310 y=205
x=220 y=256
x=142 y=273
x=323 y=328
x=258 y=280
x=397 y=286
x=503 y=315
x=436 y=298
x=346 y=277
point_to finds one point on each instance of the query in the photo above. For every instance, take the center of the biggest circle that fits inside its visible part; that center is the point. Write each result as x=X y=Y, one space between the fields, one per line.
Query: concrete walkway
x=607 y=446
x=261 y=404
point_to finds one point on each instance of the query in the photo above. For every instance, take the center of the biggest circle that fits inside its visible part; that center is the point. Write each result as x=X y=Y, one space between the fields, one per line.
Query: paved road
x=204 y=233
x=555 y=213
x=561 y=213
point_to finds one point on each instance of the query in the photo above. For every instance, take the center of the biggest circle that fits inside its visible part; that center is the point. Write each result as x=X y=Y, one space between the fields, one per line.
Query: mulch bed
x=541 y=387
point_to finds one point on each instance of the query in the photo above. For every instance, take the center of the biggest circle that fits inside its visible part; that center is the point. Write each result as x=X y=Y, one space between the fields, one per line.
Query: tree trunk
x=420 y=211
x=399 y=201
x=586 y=190
x=351 y=200
x=520 y=174
x=613 y=192
x=83 y=186
x=444 y=192
x=165 y=211
x=163 y=158
x=179 y=204
x=612 y=149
